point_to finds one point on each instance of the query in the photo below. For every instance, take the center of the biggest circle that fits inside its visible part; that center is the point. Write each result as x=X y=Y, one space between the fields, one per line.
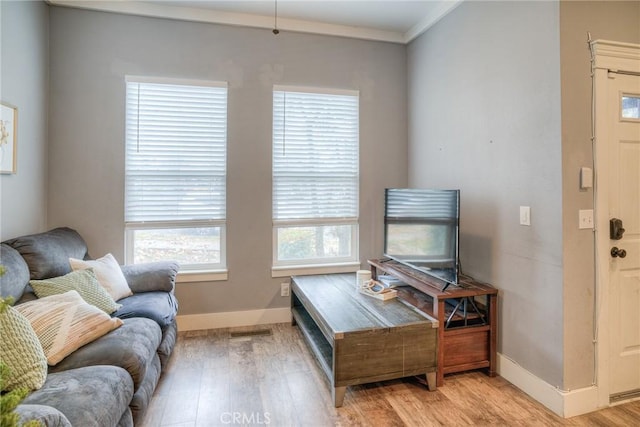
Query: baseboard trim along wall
x=192 y=322
x=564 y=403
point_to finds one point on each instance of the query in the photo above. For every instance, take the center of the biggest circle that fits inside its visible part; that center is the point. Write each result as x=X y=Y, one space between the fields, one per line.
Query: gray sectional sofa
x=110 y=381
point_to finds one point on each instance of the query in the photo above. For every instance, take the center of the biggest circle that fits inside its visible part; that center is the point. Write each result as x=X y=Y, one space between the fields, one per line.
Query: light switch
x=586 y=178
x=525 y=215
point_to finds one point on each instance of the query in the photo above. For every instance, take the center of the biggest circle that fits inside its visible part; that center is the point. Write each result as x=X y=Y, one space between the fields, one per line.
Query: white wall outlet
x=525 y=215
x=284 y=289
x=585 y=218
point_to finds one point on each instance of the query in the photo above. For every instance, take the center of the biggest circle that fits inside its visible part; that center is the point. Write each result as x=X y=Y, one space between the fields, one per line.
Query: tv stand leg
x=431 y=380
x=338 y=396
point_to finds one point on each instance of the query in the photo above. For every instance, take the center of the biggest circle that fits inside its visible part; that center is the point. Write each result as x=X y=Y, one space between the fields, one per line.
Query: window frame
x=283 y=268
x=188 y=272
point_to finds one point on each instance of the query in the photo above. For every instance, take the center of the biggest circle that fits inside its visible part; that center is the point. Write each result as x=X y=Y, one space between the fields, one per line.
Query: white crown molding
x=230 y=18
x=438 y=12
x=616 y=56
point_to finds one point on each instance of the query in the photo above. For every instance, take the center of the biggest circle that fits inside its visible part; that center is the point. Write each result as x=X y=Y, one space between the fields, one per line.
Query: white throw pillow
x=108 y=273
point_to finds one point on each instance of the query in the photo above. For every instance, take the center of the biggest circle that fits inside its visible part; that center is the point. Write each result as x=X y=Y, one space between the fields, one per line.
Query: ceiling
x=397 y=21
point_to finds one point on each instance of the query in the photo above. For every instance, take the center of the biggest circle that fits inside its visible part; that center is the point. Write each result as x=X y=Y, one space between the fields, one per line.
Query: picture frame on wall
x=8 y=138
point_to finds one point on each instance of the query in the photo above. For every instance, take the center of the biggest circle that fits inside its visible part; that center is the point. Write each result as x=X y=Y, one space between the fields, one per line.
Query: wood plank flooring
x=216 y=379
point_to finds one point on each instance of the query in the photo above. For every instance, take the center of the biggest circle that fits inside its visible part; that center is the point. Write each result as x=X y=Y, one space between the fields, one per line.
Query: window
x=631 y=107
x=315 y=177
x=175 y=173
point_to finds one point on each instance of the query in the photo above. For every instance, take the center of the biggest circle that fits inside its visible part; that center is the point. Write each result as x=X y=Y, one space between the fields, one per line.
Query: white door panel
x=624 y=203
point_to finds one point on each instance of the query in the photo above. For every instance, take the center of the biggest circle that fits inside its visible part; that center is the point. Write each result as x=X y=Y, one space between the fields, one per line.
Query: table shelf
x=314 y=338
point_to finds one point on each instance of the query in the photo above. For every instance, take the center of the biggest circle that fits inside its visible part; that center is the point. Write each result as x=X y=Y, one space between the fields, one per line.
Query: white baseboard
x=192 y=322
x=564 y=403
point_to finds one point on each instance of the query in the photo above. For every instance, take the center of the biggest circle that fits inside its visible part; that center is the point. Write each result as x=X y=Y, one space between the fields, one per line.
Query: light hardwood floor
x=216 y=378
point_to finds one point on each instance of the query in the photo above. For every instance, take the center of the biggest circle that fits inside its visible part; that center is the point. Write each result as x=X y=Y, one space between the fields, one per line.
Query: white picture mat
x=8 y=140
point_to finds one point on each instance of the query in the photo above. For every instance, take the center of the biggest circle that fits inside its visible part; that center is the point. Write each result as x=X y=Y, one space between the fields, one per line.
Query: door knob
x=615 y=252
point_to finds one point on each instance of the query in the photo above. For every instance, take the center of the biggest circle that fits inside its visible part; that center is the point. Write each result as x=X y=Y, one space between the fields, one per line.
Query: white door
x=623 y=98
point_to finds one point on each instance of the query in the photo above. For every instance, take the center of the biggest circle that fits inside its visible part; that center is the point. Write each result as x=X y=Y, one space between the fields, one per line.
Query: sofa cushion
x=16 y=273
x=159 y=306
x=142 y=396
x=108 y=273
x=93 y=396
x=132 y=347
x=169 y=336
x=45 y=415
x=20 y=351
x=65 y=322
x=47 y=254
x=84 y=282
x=126 y=420
x=151 y=276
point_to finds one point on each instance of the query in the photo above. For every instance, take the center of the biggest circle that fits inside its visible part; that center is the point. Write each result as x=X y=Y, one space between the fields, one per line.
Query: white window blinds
x=176 y=138
x=315 y=155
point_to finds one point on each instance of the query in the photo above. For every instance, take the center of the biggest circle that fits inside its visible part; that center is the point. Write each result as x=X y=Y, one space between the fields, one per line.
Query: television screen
x=421 y=230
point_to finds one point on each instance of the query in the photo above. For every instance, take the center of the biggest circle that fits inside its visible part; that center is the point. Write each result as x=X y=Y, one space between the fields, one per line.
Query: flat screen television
x=421 y=230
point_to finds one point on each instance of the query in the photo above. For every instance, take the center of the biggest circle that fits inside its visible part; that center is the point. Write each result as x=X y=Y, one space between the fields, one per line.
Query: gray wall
x=484 y=116
x=91 y=52
x=619 y=21
x=24 y=31
x=484 y=102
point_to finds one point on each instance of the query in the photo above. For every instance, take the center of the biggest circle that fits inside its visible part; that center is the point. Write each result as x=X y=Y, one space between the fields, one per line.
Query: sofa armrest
x=151 y=276
x=46 y=415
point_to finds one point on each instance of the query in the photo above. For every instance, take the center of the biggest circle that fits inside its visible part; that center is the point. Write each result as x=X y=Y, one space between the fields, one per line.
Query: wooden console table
x=466 y=313
x=358 y=339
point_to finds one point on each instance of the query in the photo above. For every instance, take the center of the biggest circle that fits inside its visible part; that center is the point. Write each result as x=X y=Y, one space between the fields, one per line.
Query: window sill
x=306 y=270
x=195 y=276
